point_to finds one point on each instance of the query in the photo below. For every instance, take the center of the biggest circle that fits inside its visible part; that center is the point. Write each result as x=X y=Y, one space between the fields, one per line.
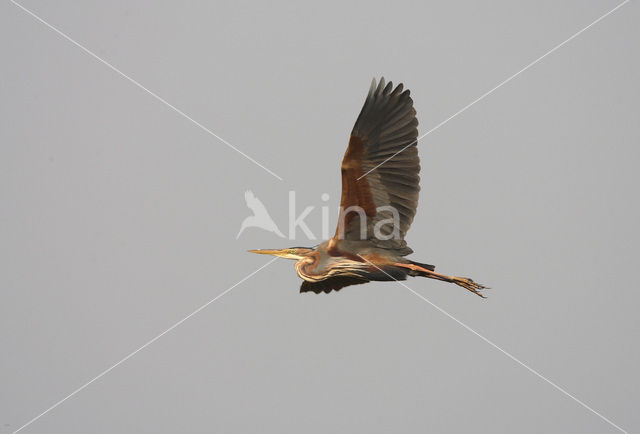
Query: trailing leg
x=466 y=283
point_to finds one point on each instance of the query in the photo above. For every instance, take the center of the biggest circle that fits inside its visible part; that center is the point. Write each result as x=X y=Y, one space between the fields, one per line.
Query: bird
x=260 y=218
x=380 y=188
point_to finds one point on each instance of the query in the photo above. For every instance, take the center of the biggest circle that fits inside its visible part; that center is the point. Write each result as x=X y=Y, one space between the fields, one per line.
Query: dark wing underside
x=386 y=125
x=330 y=284
x=337 y=282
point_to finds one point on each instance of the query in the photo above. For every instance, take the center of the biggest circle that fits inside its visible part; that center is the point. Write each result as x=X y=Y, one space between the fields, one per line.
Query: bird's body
x=380 y=186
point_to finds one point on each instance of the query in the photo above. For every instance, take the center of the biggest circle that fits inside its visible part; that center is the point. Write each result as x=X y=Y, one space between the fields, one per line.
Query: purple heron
x=380 y=186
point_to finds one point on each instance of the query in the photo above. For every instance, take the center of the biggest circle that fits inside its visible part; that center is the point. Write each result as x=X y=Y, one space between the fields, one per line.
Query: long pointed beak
x=279 y=253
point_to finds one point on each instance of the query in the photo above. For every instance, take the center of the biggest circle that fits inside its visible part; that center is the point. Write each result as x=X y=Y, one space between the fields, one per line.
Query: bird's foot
x=470 y=285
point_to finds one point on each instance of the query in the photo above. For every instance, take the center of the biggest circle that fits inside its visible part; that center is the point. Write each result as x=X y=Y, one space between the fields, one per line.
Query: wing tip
x=386 y=87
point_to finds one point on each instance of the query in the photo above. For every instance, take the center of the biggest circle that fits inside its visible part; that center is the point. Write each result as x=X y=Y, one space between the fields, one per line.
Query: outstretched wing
x=385 y=133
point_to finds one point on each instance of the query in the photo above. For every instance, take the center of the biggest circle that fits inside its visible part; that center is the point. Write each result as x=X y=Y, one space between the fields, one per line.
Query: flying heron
x=380 y=185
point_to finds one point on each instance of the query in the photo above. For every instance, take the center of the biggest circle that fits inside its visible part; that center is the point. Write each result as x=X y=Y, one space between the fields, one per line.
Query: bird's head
x=295 y=253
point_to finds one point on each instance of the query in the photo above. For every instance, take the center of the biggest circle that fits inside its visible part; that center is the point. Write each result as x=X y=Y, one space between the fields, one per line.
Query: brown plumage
x=380 y=187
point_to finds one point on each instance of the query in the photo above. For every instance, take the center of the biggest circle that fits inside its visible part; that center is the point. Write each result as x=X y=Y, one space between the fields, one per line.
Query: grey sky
x=118 y=218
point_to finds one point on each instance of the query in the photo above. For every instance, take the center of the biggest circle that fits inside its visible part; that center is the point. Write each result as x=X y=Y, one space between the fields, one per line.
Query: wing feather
x=330 y=284
x=386 y=125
